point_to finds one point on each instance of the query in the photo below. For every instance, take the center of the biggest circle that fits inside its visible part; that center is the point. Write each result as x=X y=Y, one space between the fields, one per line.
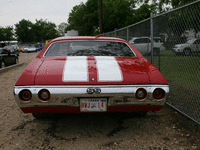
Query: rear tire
x=44 y=115
x=16 y=60
x=187 y=52
x=141 y=113
x=3 y=64
x=40 y=115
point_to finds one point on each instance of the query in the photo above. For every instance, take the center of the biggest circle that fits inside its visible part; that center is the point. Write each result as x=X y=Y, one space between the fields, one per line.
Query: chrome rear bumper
x=69 y=96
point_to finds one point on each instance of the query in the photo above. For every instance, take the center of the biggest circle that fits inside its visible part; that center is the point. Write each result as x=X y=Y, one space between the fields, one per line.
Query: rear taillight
x=44 y=95
x=25 y=95
x=141 y=94
x=158 y=93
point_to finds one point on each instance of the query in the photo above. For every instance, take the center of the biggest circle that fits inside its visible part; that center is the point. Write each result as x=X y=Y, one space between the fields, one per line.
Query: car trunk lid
x=91 y=70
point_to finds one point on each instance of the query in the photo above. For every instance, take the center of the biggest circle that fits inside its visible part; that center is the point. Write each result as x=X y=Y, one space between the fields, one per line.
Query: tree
x=6 y=33
x=85 y=17
x=23 y=31
x=61 y=28
x=116 y=14
x=165 y=5
x=42 y=30
x=81 y=18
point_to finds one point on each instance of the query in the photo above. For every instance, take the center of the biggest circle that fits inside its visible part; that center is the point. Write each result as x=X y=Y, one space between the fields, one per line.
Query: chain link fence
x=171 y=41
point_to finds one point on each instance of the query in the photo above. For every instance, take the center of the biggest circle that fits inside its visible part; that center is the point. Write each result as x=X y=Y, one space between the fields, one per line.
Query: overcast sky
x=56 y=11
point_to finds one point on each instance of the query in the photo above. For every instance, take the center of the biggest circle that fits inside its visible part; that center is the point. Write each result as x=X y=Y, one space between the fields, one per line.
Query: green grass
x=183 y=75
x=184 y=70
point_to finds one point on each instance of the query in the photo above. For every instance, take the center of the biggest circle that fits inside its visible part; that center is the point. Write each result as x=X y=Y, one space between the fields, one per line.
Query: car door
x=141 y=45
x=9 y=59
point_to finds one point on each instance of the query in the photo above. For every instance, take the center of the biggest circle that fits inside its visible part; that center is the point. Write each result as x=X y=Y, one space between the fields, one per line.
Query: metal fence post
x=151 y=25
x=127 y=37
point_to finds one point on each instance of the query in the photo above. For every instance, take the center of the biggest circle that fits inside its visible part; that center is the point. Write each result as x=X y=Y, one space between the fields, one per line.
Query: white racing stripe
x=108 y=69
x=76 y=69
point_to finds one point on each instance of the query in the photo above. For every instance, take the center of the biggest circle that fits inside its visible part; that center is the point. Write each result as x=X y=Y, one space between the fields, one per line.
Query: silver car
x=187 y=48
x=143 y=45
x=10 y=48
x=29 y=49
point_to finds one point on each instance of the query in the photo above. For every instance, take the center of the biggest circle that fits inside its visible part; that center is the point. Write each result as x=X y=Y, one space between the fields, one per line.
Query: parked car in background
x=16 y=47
x=158 y=40
x=191 y=46
x=7 y=59
x=21 y=48
x=90 y=74
x=40 y=48
x=28 y=49
x=10 y=48
x=143 y=45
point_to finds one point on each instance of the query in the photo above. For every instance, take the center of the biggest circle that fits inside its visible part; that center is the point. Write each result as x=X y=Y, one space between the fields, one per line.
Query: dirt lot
x=163 y=130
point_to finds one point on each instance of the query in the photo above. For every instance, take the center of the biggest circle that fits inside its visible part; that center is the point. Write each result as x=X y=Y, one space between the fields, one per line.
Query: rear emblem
x=93 y=90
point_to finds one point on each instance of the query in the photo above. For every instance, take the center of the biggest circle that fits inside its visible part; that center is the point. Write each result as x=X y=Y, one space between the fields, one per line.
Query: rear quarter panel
x=28 y=76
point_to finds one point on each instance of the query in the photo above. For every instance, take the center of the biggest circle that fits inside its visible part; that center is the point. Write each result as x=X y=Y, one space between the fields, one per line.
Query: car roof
x=87 y=38
x=144 y=37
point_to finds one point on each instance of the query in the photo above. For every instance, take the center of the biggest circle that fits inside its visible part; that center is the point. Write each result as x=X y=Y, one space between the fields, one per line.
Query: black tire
x=177 y=54
x=187 y=52
x=3 y=65
x=141 y=113
x=16 y=60
x=43 y=115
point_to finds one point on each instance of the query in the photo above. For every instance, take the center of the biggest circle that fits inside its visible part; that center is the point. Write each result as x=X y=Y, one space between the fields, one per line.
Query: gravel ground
x=163 y=130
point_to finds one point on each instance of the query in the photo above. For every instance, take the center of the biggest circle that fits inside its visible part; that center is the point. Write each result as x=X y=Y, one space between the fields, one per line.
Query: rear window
x=89 y=48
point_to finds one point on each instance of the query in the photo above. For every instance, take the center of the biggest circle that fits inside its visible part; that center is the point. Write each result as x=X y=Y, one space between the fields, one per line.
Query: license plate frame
x=93 y=104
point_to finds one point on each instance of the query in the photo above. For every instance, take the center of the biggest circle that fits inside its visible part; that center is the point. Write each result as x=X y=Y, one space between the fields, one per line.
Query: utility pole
x=100 y=17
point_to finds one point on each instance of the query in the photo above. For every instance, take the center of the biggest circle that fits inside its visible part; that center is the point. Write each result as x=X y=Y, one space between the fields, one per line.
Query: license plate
x=93 y=105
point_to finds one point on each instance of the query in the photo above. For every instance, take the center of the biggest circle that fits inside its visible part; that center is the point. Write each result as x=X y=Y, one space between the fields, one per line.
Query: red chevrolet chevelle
x=90 y=74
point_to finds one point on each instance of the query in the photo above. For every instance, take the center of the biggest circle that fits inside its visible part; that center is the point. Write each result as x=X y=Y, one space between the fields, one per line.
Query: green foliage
x=165 y=5
x=61 y=28
x=42 y=30
x=116 y=14
x=6 y=33
x=23 y=31
x=84 y=18
x=180 y=20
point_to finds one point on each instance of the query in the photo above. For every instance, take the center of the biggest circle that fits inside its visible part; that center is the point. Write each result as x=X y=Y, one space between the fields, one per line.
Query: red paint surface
x=49 y=71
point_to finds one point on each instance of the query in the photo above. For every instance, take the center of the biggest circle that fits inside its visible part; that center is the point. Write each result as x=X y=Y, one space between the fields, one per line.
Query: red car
x=90 y=74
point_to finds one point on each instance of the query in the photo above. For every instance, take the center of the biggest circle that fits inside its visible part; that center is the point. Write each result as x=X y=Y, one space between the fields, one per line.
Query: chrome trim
x=78 y=89
x=93 y=90
x=69 y=95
